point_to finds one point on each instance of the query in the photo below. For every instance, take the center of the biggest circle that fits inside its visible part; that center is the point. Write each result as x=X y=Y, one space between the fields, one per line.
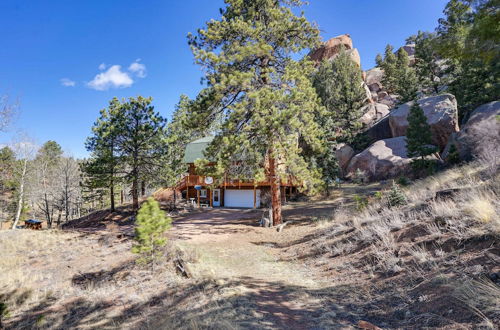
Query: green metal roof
x=194 y=150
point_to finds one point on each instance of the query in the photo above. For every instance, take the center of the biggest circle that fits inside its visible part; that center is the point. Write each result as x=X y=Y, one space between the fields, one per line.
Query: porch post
x=210 y=197
x=254 y=197
x=198 y=195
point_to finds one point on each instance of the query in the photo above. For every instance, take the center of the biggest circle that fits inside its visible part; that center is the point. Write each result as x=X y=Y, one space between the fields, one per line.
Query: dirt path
x=231 y=247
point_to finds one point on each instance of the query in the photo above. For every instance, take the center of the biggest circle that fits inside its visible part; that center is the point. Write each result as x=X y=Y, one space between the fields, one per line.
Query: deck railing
x=194 y=180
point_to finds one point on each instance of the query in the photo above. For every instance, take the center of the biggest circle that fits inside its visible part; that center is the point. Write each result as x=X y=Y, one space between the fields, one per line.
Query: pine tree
x=102 y=170
x=151 y=225
x=429 y=71
x=419 y=137
x=453 y=155
x=379 y=60
x=396 y=197
x=339 y=85
x=467 y=39
x=7 y=163
x=141 y=143
x=8 y=185
x=265 y=96
x=388 y=64
x=399 y=77
x=406 y=79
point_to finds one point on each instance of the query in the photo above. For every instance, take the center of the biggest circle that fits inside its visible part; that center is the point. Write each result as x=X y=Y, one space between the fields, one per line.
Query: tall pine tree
x=399 y=77
x=339 y=85
x=103 y=168
x=140 y=143
x=266 y=97
x=468 y=38
x=429 y=69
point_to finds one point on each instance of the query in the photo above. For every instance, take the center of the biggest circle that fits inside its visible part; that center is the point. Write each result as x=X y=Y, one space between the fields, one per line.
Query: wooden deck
x=195 y=180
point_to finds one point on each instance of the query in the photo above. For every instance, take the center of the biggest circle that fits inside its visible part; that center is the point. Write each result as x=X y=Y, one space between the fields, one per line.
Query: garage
x=240 y=198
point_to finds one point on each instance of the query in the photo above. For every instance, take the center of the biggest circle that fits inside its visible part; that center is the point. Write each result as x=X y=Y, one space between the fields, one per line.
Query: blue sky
x=60 y=58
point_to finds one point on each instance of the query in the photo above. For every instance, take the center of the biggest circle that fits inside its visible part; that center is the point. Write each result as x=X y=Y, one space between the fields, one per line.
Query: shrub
x=396 y=197
x=4 y=313
x=151 y=224
x=403 y=181
x=378 y=195
x=453 y=156
x=361 y=202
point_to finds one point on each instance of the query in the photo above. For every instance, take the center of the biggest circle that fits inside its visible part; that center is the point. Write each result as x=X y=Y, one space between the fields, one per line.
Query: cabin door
x=216 y=197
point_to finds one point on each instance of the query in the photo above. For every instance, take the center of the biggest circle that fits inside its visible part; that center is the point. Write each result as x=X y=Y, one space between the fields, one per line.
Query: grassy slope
x=431 y=263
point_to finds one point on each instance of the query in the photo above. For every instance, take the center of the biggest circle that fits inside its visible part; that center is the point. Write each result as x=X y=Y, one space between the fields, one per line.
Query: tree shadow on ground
x=238 y=303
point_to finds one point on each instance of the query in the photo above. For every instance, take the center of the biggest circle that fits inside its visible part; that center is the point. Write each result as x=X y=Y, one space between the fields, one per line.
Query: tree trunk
x=66 y=200
x=21 y=195
x=175 y=199
x=275 y=192
x=143 y=188
x=135 y=194
x=47 y=211
x=59 y=218
x=112 y=196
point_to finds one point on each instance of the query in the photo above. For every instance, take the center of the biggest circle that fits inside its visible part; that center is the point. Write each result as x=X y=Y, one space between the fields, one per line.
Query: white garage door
x=240 y=198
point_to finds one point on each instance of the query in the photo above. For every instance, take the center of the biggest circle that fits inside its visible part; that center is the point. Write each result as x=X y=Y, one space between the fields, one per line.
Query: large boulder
x=382 y=160
x=344 y=153
x=442 y=116
x=373 y=112
x=379 y=130
x=354 y=55
x=368 y=94
x=373 y=79
x=389 y=100
x=331 y=48
x=483 y=127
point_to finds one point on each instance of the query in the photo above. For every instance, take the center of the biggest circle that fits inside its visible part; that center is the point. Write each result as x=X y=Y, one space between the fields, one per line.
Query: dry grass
x=48 y=274
x=414 y=244
x=482 y=297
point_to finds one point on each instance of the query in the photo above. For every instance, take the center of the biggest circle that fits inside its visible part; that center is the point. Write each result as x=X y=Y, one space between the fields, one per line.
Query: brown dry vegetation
x=432 y=263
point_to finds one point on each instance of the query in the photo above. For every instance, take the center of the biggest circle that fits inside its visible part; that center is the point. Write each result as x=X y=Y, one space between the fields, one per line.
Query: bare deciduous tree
x=69 y=187
x=24 y=149
x=7 y=111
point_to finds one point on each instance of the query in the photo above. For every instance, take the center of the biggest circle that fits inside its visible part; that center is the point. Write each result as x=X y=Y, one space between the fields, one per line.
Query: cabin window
x=203 y=193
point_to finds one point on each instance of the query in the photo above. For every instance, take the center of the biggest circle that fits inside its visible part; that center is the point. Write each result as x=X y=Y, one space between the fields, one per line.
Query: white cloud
x=114 y=77
x=138 y=69
x=102 y=66
x=68 y=82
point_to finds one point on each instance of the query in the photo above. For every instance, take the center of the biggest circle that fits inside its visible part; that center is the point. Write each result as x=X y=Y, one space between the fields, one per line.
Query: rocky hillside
x=385 y=123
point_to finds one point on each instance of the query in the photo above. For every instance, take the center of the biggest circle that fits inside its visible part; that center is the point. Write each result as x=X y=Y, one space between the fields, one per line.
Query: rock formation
x=344 y=154
x=482 y=122
x=383 y=159
x=442 y=115
x=373 y=112
x=332 y=48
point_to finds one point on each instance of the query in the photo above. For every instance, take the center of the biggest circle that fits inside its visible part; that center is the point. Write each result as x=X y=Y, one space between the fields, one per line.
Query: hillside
x=433 y=263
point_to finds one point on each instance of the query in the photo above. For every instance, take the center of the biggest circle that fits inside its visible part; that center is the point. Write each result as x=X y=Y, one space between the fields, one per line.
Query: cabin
x=232 y=193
